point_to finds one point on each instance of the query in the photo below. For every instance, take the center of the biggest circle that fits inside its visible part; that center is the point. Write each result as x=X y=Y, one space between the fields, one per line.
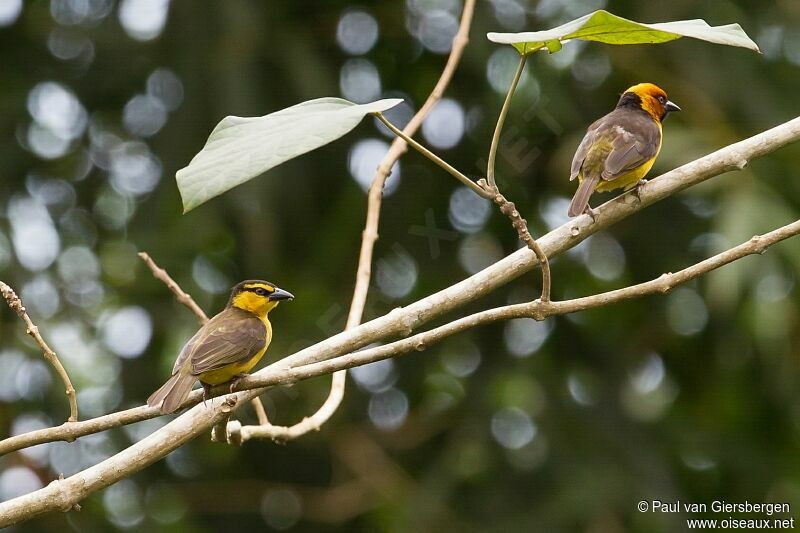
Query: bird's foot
x=235 y=381
x=206 y=392
x=637 y=191
x=589 y=211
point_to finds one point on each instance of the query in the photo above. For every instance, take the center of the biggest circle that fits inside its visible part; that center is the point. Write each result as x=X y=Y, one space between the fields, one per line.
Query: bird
x=226 y=347
x=619 y=149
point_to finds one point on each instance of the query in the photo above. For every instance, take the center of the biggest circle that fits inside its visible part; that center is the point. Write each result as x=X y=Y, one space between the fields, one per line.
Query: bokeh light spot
x=281 y=508
x=123 y=504
x=437 y=30
x=512 y=428
x=363 y=160
x=501 y=67
x=389 y=409
x=444 y=126
x=209 y=277
x=686 y=312
x=36 y=241
x=127 y=331
x=461 y=358
x=144 y=115
x=18 y=480
x=143 y=20
x=375 y=377
x=468 y=212
x=478 y=251
x=9 y=12
x=359 y=81
x=166 y=86
x=134 y=168
x=396 y=273
x=524 y=336
x=357 y=32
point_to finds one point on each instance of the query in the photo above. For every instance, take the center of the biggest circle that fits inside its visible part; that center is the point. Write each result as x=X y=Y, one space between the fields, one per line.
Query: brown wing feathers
x=230 y=337
x=616 y=144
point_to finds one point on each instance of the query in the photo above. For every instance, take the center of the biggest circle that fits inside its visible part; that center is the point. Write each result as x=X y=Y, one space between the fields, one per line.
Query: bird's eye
x=261 y=292
x=662 y=99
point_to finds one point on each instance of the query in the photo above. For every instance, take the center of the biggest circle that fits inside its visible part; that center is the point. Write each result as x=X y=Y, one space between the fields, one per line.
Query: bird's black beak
x=670 y=106
x=280 y=294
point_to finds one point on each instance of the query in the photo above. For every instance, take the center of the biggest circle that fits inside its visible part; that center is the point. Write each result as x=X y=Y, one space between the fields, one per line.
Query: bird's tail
x=173 y=392
x=581 y=198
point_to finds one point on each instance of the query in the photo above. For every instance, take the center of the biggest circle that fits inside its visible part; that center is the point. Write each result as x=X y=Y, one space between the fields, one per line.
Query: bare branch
x=521 y=225
x=240 y=434
x=261 y=413
x=172 y=285
x=64 y=494
x=70 y=431
x=31 y=329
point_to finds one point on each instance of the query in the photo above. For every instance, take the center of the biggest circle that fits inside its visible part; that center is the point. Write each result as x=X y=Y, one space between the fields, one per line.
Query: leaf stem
x=501 y=120
x=480 y=191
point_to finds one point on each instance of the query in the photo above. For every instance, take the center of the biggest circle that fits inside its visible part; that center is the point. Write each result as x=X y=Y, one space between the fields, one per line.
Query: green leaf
x=240 y=149
x=605 y=27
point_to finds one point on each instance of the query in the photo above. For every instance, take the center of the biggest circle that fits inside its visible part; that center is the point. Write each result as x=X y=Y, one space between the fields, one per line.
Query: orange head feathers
x=649 y=97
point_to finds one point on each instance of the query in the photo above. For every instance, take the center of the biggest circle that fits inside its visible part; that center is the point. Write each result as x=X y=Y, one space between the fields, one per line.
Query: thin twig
x=399 y=321
x=489 y=186
x=238 y=433
x=172 y=285
x=32 y=329
x=433 y=157
x=261 y=413
x=521 y=225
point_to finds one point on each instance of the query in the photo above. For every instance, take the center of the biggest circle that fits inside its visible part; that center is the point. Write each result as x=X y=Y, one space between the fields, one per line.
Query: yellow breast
x=228 y=372
x=627 y=181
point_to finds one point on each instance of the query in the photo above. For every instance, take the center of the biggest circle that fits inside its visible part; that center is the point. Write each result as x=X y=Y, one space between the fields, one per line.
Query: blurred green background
x=558 y=426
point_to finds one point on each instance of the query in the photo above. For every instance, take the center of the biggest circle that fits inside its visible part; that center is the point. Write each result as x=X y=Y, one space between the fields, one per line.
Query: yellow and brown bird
x=226 y=347
x=619 y=149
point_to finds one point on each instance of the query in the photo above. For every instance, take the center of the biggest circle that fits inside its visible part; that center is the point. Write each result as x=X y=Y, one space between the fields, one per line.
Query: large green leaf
x=605 y=27
x=242 y=148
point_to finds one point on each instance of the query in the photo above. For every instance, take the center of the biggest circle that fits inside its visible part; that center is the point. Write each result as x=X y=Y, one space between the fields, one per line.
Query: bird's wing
x=636 y=140
x=186 y=352
x=583 y=149
x=233 y=336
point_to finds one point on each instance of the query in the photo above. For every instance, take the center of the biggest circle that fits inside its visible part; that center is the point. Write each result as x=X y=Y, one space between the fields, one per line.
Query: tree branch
x=32 y=329
x=172 y=285
x=537 y=310
x=401 y=321
x=236 y=432
x=732 y=157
